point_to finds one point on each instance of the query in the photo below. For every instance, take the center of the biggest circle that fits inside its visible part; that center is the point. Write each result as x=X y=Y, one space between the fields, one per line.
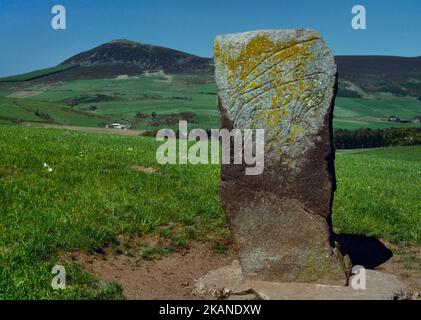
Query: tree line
x=376 y=138
x=362 y=138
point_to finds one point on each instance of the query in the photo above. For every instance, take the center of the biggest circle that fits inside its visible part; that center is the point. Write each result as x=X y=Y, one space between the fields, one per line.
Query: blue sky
x=28 y=42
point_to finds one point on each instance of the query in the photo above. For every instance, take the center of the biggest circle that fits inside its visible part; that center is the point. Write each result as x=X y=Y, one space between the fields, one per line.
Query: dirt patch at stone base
x=170 y=278
x=173 y=276
x=406 y=265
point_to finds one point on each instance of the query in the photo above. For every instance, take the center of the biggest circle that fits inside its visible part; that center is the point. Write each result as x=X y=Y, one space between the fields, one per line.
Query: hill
x=387 y=66
x=124 y=57
x=364 y=75
x=120 y=57
x=360 y=76
x=38 y=73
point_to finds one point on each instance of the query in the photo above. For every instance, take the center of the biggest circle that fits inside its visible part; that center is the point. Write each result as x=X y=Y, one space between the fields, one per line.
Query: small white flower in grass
x=130 y=149
x=49 y=169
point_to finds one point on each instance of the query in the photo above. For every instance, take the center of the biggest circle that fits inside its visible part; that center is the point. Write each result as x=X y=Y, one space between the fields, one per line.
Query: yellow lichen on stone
x=252 y=55
x=278 y=81
x=256 y=51
x=270 y=79
x=294 y=133
x=272 y=117
x=275 y=74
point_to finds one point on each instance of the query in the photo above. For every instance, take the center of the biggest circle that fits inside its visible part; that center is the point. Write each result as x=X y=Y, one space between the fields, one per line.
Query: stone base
x=228 y=283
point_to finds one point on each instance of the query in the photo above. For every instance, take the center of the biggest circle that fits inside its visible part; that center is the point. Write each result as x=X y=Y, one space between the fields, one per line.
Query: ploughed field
x=65 y=192
x=157 y=100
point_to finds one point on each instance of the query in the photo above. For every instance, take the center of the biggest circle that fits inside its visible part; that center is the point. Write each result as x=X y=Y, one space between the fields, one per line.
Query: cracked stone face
x=283 y=81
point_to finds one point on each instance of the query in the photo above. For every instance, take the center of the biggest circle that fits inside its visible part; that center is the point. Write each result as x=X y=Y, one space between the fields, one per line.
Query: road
x=121 y=132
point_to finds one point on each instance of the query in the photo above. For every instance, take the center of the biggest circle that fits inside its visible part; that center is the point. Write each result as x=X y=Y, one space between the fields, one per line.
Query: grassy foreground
x=98 y=191
x=379 y=193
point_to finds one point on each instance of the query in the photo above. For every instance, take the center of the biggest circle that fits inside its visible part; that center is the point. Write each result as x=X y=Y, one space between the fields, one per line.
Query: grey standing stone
x=283 y=81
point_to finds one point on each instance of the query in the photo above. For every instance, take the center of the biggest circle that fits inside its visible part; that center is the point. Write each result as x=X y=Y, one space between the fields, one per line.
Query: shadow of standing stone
x=283 y=81
x=364 y=251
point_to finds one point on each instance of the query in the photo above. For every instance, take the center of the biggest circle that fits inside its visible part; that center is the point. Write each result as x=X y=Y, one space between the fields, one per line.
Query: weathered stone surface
x=283 y=81
x=222 y=283
x=219 y=284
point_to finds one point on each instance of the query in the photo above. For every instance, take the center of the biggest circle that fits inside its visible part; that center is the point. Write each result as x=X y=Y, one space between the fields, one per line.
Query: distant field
x=37 y=74
x=24 y=110
x=130 y=101
x=352 y=113
x=151 y=102
x=98 y=192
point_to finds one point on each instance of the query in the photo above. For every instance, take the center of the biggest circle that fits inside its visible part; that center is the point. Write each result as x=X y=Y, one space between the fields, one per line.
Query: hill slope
x=38 y=74
x=397 y=75
x=359 y=75
x=392 y=67
x=120 y=57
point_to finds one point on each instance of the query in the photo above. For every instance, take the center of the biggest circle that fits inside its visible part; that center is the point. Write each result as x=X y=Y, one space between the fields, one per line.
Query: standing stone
x=283 y=81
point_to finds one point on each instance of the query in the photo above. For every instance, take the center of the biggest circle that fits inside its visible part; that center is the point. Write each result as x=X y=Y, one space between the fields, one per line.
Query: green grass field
x=98 y=102
x=119 y=101
x=379 y=194
x=37 y=74
x=364 y=113
x=24 y=110
x=90 y=198
x=93 y=196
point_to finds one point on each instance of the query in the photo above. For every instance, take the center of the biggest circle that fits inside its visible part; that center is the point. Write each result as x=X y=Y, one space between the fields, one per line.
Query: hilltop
x=128 y=57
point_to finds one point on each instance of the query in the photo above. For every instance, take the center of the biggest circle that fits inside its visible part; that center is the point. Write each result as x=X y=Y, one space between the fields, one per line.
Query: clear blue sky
x=28 y=42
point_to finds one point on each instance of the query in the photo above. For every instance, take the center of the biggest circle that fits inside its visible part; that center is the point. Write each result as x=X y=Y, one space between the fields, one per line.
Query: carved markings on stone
x=276 y=80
